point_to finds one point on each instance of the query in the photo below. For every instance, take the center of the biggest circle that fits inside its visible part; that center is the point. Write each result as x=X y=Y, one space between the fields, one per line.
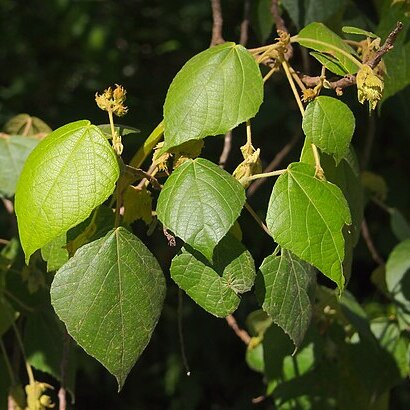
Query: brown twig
x=243 y=39
x=370 y=244
x=226 y=149
x=217 y=37
x=280 y=26
x=276 y=161
x=62 y=393
x=349 y=80
x=387 y=46
x=241 y=333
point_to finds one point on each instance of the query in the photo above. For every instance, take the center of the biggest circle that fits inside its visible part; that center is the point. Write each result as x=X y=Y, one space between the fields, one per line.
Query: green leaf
x=359 y=31
x=14 y=150
x=26 y=125
x=306 y=216
x=345 y=176
x=329 y=124
x=262 y=19
x=286 y=291
x=215 y=286
x=66 y=176
x=213 y=92
x=44 y=345
x=399 y=224
x=110 y=296
x=199 y=203
x=331 y=63
x=54 y=253
x=303 y=12
x=398 y=273
x=318 y=37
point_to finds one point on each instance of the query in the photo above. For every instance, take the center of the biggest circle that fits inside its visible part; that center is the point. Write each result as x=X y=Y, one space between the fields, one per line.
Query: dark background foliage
x=54 y=56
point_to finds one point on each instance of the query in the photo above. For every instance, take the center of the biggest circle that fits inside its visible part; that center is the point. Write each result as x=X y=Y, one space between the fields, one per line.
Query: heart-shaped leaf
x=329 y=124
x=14 y=150
x=306 y=216
x=285 y=289
x=213 y=92
x=199 y=203
x=67 y=175
x=215 y=286
x=110 y=296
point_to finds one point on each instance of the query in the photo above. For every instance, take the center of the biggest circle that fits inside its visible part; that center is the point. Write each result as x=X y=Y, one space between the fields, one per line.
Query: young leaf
x=399 y=224
x=26 y=125
x=329 y=124
x=286 y=290
x=14 y=150
x=306 y=216
x=66 y=176
x=110 y=296
x=199 y=203
x=318 y=37
x=359 y=31
x=213 y=92
x=398 y=273
x=330 y=62
x=215 y=287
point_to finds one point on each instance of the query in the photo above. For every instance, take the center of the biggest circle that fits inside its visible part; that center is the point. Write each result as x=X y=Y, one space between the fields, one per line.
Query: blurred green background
x=56 y=54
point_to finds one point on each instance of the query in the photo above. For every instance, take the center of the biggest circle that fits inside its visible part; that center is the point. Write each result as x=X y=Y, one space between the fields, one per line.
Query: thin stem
x=248 y=132
x=245 y=23
x=285 y=66
x=269 y=74
x=62 y=394
x=256 y=217
x=273 y=164
x=8 y=364
x=241 y=333
x=4 y=241
x=226 y=149
x=181 y=333
x=18 y=301
x=111 y=118
x=370 y=244
x=266 y=174
x=217 y=37
x=21 y=346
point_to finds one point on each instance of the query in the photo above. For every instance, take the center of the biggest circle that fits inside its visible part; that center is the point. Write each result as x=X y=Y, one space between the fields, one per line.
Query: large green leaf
x=26 y=125
x=215 y=286
x=398 y=273
x=66 y=176
x=110 y=296
x=318 y=37
x=213 y=92
x=14 y=150
x=306 y=216
x=286 y=290
x=329 y=124
x=331 y=63
x=199 y=203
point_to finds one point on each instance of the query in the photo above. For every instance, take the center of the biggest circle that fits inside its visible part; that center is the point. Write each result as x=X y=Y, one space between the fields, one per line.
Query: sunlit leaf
x=66 y=176
x=214 y=91
x=306 y=216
